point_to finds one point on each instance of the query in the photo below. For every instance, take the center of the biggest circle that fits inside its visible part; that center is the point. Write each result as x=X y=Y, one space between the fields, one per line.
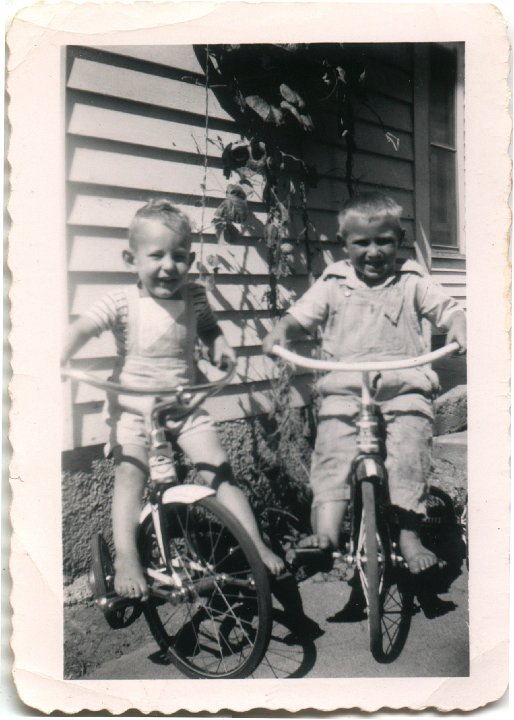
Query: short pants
x=128 y=428
x=408 y=441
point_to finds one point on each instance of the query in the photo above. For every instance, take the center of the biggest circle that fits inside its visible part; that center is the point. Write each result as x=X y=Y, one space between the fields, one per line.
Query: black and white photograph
x=263 y=263
x=270 y=186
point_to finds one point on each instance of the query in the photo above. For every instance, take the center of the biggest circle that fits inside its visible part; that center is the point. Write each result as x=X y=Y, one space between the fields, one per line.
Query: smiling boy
x=156 y=323
x=371 y=308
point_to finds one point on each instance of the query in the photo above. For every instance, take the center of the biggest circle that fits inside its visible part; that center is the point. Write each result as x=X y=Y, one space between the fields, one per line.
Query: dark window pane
x=443 y=75
x=443 y=225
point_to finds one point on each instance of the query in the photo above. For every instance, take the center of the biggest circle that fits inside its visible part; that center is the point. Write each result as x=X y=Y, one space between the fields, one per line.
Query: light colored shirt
x=379 y=322
x=111 y=312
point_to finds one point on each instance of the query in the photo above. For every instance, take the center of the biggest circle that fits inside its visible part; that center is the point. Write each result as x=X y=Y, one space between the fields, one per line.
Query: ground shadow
x=288 y=656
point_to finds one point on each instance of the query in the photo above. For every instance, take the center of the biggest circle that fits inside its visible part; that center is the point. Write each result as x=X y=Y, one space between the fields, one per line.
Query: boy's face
x=372 y=246
x=160 y=256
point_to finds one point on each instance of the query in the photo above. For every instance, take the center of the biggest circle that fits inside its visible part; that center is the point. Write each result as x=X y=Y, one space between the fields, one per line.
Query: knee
x=221 y=474
x=130 y=475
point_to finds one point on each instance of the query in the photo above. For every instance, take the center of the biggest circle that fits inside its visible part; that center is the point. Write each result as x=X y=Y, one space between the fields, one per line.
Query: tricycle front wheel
x=221 y=625
x=386 y=586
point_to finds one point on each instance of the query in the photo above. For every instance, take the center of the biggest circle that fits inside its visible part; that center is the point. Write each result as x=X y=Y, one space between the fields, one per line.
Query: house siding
x=136 y=129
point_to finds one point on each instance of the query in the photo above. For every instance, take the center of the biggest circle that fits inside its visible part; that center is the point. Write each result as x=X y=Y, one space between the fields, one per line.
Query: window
x=443 y=146
x=439 y=144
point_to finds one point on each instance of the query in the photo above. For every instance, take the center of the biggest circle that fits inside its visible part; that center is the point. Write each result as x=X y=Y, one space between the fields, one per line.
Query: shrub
x=270 y=467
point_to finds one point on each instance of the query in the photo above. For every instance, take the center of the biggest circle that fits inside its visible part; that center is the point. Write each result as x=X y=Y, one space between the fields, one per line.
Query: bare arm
x=220 y=351
x=457 y=330
x=78 y=334
x=287 y=328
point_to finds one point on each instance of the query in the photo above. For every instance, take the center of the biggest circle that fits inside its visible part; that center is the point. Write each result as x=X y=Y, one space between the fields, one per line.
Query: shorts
x=129 y=428
x=408 y=442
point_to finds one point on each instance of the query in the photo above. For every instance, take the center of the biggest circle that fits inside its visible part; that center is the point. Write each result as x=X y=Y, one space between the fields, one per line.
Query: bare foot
x=415 y=554
x=274 y=564
x=129 y=580
x=315 y=541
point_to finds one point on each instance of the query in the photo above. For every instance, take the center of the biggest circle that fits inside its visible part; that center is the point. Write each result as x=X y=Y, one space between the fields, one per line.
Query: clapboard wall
x=136 y=129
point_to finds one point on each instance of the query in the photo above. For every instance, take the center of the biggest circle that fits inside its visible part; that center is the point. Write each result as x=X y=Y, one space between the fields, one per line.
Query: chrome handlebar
x=110 y=386
x=378 y=366
x=185 y=398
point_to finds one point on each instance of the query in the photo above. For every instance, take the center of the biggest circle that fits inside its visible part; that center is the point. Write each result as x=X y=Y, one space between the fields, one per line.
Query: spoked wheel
x=396 y=609
x=218 y=624
x=388 y=597
x=371 y=564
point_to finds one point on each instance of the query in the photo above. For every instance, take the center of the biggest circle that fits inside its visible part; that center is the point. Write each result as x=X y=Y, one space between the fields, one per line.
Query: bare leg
x=330 y=470
x=326 y=523
x=236 y=501
x=129 y=580
x=200 y=446
x=409 y=441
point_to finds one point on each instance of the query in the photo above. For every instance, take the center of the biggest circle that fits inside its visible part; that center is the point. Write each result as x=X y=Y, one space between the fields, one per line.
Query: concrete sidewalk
x=437 y=647
x=434 y=648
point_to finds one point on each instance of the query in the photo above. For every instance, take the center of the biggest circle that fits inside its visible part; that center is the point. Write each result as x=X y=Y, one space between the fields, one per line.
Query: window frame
x=421 y=108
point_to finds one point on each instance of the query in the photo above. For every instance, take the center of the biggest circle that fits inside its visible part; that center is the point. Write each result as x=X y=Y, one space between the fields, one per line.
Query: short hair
x=372 y=205
x=168 y=214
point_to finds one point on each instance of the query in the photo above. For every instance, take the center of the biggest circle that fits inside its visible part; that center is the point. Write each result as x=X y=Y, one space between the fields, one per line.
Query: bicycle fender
x=369 y=467
x=184 y=494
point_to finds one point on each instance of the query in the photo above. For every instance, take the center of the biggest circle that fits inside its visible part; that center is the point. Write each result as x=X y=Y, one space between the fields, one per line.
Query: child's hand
x=457 y=332
x=278 y=336
x=286 y=329
x=222 y=353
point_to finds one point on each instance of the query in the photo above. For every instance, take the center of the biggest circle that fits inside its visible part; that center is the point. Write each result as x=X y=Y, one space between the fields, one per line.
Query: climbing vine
x=280 y=96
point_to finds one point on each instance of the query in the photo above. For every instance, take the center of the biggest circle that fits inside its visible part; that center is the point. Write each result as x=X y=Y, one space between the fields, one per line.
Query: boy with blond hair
x=371 y=308
x=155 y=324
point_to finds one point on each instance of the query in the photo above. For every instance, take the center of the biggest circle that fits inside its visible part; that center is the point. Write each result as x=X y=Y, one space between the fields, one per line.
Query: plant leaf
x=269 y=113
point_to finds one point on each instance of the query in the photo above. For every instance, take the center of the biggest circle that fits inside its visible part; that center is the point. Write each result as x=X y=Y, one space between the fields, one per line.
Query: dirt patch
x=90 y=642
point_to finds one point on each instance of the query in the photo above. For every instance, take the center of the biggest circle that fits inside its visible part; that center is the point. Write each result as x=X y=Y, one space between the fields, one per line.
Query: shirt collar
x=345 y=270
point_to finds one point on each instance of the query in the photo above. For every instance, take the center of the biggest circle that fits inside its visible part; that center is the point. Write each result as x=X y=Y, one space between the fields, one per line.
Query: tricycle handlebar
x=378 y=366
x=165 y=390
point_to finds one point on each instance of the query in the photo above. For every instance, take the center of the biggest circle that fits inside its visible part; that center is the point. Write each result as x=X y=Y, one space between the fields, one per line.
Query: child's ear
x=128 y=259
x=341 y=239
x=192 y=257
x=401 y=237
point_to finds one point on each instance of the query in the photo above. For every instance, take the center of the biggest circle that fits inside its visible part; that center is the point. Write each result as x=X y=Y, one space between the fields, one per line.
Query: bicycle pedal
x=112 y=601
x=398 y=561
x=322 y=559
x=119 y=612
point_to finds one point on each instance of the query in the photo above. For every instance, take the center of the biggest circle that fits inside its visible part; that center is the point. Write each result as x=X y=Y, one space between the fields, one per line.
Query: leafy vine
x=280 y=95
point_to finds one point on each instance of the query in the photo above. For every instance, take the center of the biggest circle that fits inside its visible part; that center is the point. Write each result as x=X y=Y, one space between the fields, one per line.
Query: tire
x=373 y=568
x=387 y=588
x=221 y=627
